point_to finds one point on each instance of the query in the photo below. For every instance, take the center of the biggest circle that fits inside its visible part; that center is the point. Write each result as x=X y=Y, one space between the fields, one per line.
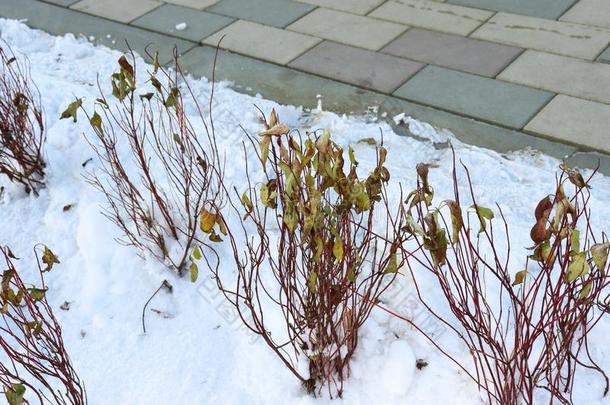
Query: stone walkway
x=499 y=73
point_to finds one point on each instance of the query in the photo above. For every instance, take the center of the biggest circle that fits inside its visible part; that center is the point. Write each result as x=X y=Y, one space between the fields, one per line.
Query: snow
x=195 y=353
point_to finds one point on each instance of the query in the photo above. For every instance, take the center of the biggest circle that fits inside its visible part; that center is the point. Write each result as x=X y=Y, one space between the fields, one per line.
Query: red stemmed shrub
x=527 y=328
x=159 y=172
x=318 y=246
x=35 y=366
x=21 y=125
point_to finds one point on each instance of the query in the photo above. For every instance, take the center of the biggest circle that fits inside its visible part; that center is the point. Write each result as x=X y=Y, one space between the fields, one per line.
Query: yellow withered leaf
x=575 y=241
x=197 y=255
x=274 y=118
x=49 y=258
x=276 y=130
x=207 y=220
x=392 y=266
x=483 y=213
x=520 y=277
x=222 y=226
x=338 y=248
x=457 y=220
x=319 y=249
x=322 y=142
x=586 y=290
x=194 y=271
x=599 y=252
x=264 y=145
x=311 y=283
x=579 y=267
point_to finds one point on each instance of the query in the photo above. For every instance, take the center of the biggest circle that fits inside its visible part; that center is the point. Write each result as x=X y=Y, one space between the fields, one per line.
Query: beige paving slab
x=117 y=10
x=590 y=12
x=353 y=6
x=433 y=15
x=264 y=42
x=574 y=120
x=348 y=29
x=545 y=35
x=561 y=74
x=198 y=4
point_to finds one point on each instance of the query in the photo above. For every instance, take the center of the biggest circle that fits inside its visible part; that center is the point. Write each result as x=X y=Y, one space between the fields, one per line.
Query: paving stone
x=433 y=15
x=199 y=24
x=264 y=42
x=279 y=83
x=346 y=28
x=552 y=9
x=605 y=56
x=366 y=68
x=64 y=3
x=277 y=13
x=353 y=6
x=453 y=51
x=574 y=120
x=474 y=132
x=198 y=4
x=59 y=21
x=561 y=74
x=545 y=35
x=491 y=100
x=118 y=10
x=589 y=12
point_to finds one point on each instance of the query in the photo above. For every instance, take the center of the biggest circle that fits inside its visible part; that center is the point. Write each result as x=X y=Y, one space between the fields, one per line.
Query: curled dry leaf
x=457 y=220
x=599 y=252
x=539 y=232
x=49 y=258
x=520 y=277
x=276 y=130
x=543 y=209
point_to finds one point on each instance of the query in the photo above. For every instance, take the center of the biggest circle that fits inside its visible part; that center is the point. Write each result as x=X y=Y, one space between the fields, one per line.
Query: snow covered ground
x=197 y=354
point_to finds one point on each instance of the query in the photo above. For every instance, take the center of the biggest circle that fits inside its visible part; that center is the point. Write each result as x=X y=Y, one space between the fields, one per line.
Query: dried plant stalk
x=311 y=252
x=37 y=364
x=21 y=125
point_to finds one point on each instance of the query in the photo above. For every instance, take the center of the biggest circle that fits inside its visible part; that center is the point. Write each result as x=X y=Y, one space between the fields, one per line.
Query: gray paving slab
x=453 y=51
x=279 y=83
x=277 y=13
x=117 y=10
x=64 y=3
x=589 y=12
x=198 y=4
x=605 y=56
x=552 y=9
x=433 y=15
x=559 y=37
x=347 y=28
x=361 y=7
x=576 y=121
x=561 y=74
x=58 y=21
x=476 y=96
x=262 y=41
x=367 y=69
x=474 y=132
x=198 y=24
